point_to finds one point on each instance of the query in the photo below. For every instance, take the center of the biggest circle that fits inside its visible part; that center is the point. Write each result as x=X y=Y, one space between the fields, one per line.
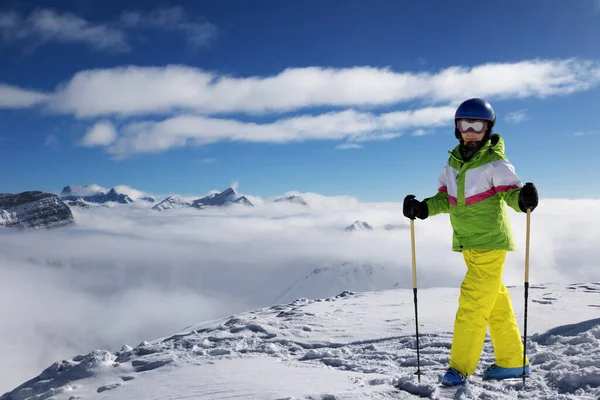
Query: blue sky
x=337 y=97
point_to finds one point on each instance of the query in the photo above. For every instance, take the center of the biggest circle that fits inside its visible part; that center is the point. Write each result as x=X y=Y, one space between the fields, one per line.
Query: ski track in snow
x=325 y=336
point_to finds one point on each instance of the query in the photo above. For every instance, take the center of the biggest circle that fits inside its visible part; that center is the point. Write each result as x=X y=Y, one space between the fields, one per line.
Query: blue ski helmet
x=475 y=109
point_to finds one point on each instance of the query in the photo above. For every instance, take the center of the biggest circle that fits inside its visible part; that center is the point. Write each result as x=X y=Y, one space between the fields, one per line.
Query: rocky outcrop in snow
x=33 y=209
x=79 y=204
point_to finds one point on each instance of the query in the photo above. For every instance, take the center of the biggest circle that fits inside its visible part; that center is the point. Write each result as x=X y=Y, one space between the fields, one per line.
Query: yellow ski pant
x=484 y=301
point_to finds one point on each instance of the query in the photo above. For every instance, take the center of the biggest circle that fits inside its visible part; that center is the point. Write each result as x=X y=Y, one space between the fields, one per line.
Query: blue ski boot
x=453 y=378
x=496 y=372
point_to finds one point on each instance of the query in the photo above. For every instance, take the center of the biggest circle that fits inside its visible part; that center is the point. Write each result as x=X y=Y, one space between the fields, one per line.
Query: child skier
x=474 y=187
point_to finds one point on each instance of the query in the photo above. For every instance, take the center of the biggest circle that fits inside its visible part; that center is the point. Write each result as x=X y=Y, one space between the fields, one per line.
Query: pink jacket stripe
x=488 y=193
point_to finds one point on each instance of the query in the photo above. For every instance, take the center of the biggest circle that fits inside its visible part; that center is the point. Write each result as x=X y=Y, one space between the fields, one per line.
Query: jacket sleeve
x=439 y=203
x=507 y=183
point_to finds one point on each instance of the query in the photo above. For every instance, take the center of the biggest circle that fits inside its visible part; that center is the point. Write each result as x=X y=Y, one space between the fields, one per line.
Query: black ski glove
x=414 y=208
x=528 y=197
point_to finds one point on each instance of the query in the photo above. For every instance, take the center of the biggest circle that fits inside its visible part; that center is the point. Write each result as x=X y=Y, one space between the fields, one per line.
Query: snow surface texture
x=350 y=346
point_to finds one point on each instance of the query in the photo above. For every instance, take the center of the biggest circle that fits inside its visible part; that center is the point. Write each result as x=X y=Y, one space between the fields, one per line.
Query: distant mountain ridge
x=86 y=196
x=68 y=193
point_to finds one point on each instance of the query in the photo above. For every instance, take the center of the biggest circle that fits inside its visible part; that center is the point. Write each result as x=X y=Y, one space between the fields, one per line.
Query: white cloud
x=201 y=100
x=584 y=133
x=345 y=146
x=145 y=90
x=134 y=194
x=51 y=141
x=208 y=160
x=183 y=130
x=198 y=33
x=103 y=133
x=53 y=322
x=423 y=132
x=143 y=275
x=46 y=25
x=14 y=97
x=517 y=116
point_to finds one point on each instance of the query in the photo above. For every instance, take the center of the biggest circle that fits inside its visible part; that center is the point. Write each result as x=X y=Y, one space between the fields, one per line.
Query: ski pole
x=527 y=235
x=414 y=276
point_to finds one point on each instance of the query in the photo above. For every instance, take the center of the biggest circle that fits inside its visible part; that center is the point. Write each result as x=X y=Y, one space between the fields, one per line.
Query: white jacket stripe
x=489 y=179
x=481 y=182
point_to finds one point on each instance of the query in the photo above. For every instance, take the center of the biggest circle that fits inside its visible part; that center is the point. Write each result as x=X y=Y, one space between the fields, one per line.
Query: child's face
x=471 y=130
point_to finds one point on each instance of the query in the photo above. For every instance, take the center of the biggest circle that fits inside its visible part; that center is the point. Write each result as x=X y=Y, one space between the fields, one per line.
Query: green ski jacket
x=475 y=194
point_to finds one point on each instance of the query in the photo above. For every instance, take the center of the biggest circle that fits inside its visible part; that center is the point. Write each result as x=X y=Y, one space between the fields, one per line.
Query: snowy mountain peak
x=243 y=200
x=359 y=226
x=82 y=191
x=225 y=197
x=171 y=202
x=113 y=195
x=294 y=199
x=229 y=192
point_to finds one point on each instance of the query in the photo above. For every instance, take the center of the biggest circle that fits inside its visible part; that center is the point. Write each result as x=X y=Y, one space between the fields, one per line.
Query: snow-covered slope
x=33 y=209
x=351 y=346
x=330 y=280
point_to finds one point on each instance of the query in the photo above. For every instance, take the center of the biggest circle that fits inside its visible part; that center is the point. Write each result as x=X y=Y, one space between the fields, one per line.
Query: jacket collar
x=494 y=144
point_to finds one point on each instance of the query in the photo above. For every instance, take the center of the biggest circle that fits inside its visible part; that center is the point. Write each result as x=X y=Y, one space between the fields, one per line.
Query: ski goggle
x=476 y=126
